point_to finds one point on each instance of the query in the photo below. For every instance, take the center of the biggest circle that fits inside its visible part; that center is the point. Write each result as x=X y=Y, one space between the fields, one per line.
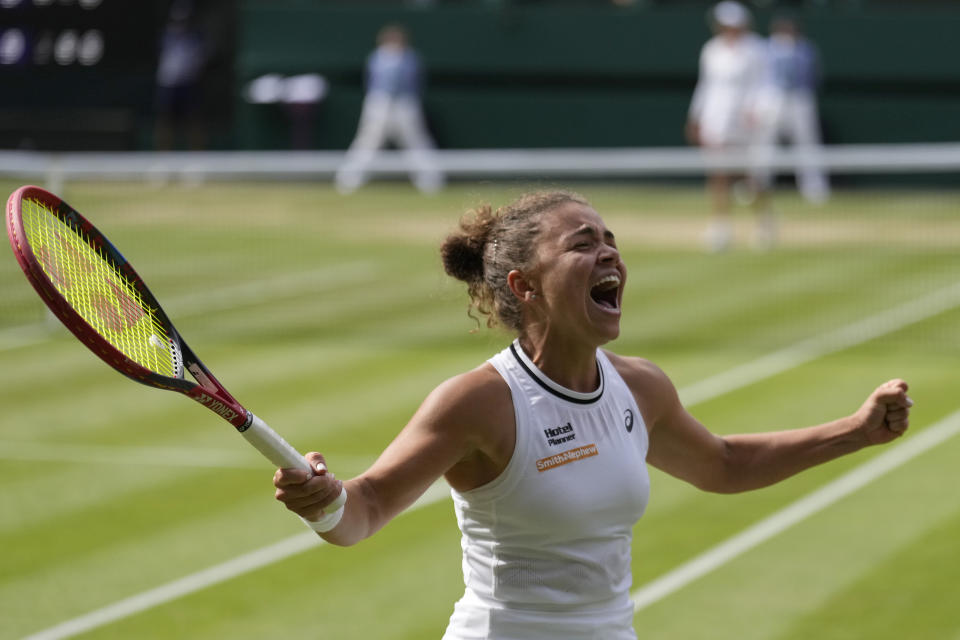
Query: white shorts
x=723 y=118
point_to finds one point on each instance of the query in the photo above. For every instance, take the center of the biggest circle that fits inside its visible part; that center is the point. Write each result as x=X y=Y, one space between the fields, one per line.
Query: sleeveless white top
x=731 y=77
x=546 y=545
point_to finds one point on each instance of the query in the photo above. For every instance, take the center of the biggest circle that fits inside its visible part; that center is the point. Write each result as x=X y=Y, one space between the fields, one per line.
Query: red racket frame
x=208 y=391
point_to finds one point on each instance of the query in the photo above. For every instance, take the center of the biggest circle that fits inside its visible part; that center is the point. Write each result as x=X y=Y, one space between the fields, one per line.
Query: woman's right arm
x=454 y=426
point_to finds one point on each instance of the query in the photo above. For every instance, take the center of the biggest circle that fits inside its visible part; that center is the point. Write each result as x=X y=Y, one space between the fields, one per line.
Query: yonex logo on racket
x=216 y=406
x=52 y=269
x=48 y=256
x=121 y=313
x=74 y=255
x=68 y=267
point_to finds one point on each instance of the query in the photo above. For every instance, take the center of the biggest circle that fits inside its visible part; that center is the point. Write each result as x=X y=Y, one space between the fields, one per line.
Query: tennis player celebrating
x=545 y=445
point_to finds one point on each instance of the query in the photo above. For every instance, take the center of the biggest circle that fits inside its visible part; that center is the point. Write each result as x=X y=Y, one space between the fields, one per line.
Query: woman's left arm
x=761 y=459
x=684 y=448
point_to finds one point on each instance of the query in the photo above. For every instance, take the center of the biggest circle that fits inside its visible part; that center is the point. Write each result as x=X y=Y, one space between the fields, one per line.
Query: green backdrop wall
x=544 y=75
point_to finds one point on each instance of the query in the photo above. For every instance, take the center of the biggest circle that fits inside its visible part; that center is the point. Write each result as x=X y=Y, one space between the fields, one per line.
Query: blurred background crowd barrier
x=82 y=75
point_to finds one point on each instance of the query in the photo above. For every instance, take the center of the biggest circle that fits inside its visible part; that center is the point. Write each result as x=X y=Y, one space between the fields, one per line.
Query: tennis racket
x=95 y=292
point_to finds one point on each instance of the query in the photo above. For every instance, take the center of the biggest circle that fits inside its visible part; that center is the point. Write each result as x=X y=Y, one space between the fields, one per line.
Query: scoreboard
x=81 y=74
x=118 y=34
x=48 y=41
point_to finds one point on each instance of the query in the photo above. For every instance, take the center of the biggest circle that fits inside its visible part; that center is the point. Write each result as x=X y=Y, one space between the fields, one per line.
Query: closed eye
x=586 y=237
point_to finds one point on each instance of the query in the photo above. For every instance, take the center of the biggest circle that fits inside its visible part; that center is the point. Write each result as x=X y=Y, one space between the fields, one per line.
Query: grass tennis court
x=329 y=317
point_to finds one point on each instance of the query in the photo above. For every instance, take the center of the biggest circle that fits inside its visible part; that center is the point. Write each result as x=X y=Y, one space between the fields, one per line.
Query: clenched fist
x=885 y=415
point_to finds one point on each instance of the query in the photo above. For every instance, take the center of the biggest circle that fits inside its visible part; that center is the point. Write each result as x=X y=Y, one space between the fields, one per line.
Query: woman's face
x=579 y=275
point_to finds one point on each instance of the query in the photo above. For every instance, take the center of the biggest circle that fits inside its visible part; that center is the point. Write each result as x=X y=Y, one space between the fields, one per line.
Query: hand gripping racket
x=95 y=292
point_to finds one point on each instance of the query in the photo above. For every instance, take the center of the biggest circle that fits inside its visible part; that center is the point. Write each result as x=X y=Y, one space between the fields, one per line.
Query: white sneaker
x=718 y=237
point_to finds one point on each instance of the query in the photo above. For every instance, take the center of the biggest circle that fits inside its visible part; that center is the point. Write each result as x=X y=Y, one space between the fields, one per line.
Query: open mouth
x=606 y=292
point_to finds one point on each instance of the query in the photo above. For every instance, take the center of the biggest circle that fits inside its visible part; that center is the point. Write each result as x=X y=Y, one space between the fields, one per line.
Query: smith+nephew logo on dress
x=566 y=457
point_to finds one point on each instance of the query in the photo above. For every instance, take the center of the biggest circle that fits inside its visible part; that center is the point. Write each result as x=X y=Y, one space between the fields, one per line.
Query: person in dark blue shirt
x=788 y=105
x=392 y=112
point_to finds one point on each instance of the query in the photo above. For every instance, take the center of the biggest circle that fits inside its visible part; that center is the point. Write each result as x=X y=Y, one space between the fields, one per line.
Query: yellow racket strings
x=93 y=285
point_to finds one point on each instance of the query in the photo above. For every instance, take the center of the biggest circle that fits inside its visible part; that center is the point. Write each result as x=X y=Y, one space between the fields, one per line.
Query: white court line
x=172 y=590
x=877 y=325
x=220 y=299
x=148 y=455
x=642 y=597
x=790 y=515
x=26 y=335
x=741 y=376
x=790 y=357
x=98 y=454
x=258 y=291
x=216 y=574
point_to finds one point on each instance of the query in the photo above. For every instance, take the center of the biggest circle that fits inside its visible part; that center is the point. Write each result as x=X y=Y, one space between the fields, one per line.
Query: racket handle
x=273 y=446
x=281 y=453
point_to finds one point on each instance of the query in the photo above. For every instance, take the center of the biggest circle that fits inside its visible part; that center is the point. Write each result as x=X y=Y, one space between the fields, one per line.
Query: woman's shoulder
x=644 y=378
x=476 y=410
x=633 y=366
x=653 y=390
x=475 y=393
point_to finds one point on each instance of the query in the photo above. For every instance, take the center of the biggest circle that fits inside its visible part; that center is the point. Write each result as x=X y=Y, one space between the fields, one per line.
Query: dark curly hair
x=490 y=244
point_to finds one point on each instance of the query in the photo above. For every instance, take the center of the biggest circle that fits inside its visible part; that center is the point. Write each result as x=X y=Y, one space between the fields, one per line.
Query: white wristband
x=329 y=520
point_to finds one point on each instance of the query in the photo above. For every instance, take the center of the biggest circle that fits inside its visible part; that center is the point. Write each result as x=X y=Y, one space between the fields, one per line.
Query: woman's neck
x=568 y=363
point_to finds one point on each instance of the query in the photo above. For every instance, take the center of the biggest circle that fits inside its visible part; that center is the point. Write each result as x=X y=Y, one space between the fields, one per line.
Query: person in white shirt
x=546 y=445
x=392 y=112
x=722 y=115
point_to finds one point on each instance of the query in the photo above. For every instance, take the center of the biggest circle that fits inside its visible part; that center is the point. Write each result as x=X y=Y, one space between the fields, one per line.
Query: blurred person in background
x=180 y=68
x=392 y=112
x=722 y=116
x=546 y=445
x=787 y=108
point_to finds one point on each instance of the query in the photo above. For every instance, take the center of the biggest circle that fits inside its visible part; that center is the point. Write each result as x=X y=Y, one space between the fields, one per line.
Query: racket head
x=88 y=284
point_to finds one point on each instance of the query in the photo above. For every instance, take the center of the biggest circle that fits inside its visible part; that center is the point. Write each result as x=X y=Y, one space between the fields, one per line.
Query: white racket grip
x=273 y=447
x=281 y=453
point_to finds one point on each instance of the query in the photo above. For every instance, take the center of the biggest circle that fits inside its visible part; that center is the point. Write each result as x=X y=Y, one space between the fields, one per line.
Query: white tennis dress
x=731 y=75
x=546 y=545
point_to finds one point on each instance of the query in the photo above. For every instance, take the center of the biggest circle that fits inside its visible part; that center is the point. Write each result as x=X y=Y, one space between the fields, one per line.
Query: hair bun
x=463 y=257
x=463 y=250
